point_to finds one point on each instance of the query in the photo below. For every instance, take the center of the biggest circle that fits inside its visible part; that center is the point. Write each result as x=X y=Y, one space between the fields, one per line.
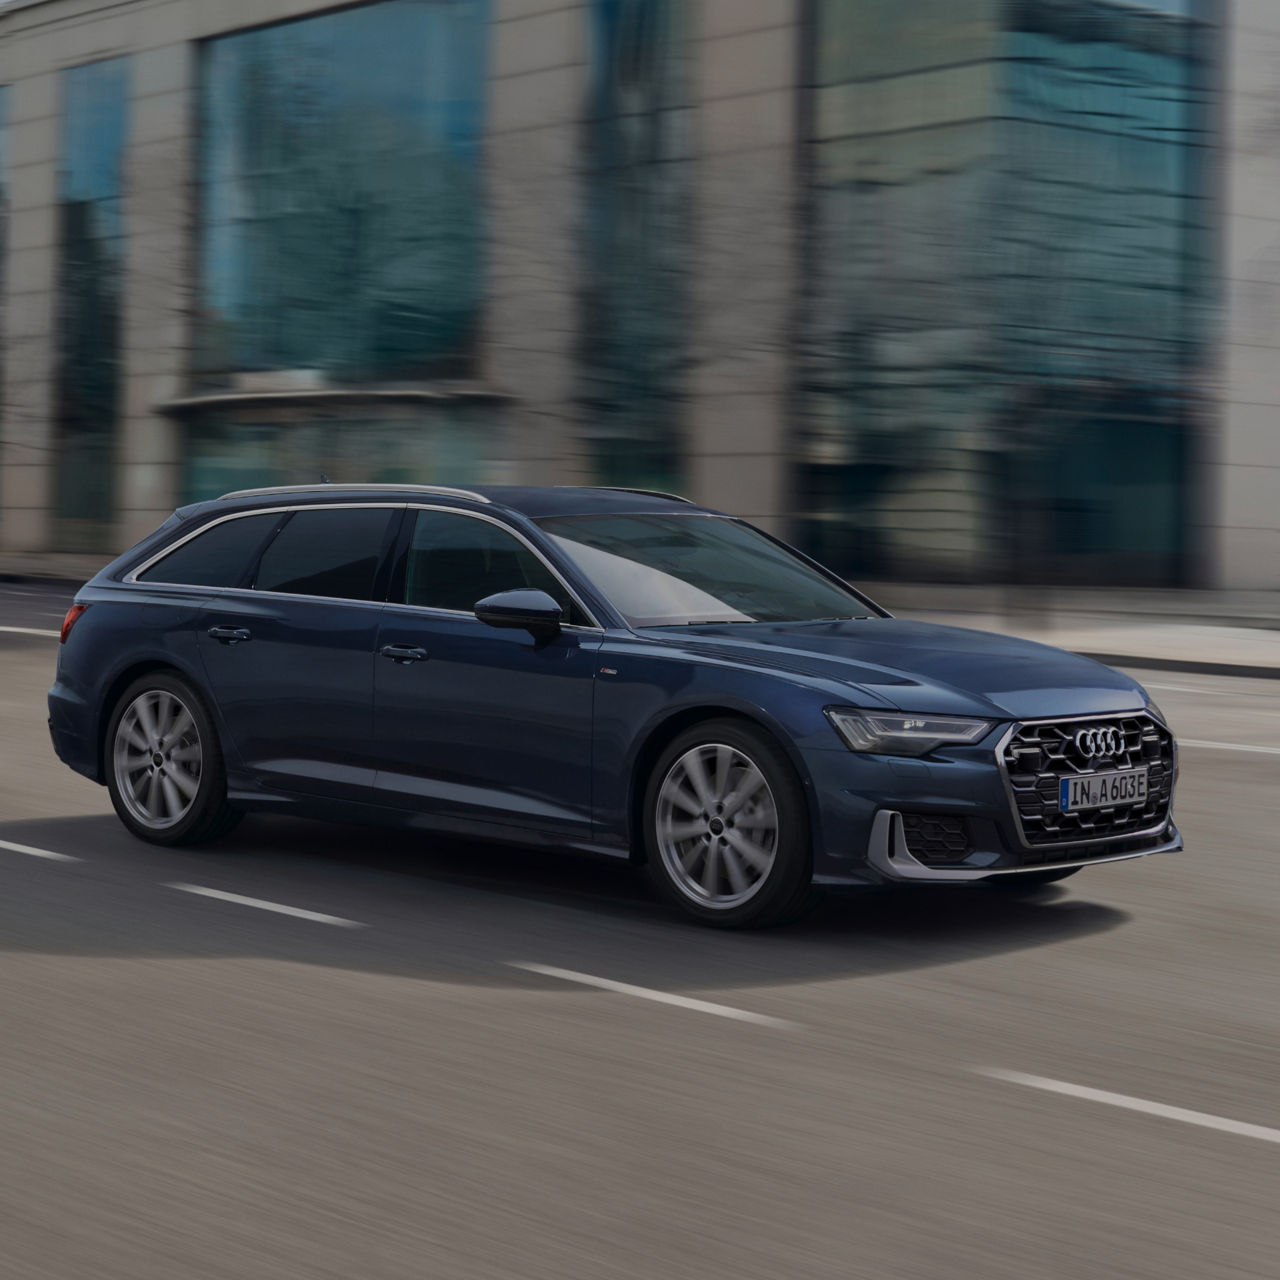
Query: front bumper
x=887 y=853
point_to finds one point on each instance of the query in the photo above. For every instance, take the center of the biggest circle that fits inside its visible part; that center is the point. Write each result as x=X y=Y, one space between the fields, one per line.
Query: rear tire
x=1027 y=880
x=726 y=828
x=164 y=763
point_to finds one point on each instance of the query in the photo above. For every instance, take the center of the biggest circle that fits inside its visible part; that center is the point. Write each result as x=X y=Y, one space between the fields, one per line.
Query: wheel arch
x=661 y=735
x=114 y=690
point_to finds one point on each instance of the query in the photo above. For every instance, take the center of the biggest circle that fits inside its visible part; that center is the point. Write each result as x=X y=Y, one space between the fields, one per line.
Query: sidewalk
x=1233 y=633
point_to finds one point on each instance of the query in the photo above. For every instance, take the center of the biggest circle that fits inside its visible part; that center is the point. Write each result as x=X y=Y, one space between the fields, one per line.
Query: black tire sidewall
x=787 y=887
x=210 y=812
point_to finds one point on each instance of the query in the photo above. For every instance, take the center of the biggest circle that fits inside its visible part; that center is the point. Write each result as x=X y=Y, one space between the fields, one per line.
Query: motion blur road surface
x=192 y=1086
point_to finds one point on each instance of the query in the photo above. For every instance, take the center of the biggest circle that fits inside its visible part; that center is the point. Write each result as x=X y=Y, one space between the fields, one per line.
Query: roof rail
x=646 y=493
x=321 y=487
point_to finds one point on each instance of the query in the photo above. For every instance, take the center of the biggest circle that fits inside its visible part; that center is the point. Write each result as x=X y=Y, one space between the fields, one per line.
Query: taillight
x=73 y=616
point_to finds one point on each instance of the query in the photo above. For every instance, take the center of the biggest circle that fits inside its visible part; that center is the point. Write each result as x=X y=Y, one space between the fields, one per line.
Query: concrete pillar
x=159 y=298
x=27 y=458
x=745 y=262
x=537 y=88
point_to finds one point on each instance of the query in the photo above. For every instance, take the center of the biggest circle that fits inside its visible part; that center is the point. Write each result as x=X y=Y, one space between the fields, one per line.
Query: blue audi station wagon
x=598 y=669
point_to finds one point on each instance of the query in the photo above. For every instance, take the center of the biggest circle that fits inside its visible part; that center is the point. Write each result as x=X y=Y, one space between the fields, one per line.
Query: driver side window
x=455 y=561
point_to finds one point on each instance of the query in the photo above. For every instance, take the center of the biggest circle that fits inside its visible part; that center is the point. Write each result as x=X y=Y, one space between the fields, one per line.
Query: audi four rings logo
x=1099 y=742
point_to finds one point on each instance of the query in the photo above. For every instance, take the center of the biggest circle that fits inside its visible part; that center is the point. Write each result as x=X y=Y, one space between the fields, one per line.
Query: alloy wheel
x=717 y=826
x=158 y=759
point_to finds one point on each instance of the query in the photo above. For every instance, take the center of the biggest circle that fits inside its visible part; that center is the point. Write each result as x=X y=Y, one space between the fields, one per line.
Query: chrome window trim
x=441 y=490
x=131 y=578
x=519 y=536
x=1072 y=844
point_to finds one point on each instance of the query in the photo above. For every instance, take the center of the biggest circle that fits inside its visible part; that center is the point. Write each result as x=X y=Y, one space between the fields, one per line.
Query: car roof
x=533 y=501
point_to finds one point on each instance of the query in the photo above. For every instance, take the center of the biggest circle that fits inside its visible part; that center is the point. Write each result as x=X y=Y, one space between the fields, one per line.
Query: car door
x=473 y=723
x=290 y=656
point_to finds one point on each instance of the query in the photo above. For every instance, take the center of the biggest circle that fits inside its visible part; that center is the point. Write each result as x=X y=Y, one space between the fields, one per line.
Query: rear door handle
x=404 y=653
x=230 y=635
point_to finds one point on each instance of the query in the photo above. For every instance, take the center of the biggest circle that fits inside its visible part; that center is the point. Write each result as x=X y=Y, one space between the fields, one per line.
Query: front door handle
x=230 y=635
x=404 y=653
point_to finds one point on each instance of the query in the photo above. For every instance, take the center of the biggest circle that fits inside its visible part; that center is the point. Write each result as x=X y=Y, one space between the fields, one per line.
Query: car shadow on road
x=449 y=910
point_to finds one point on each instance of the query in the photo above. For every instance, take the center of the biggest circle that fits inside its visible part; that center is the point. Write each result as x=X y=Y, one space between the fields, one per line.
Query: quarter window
x=456 y=561
x=326 y=553
x=219 y=557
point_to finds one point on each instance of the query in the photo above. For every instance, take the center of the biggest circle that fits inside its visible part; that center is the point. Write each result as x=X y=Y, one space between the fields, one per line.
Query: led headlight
x=891 y=733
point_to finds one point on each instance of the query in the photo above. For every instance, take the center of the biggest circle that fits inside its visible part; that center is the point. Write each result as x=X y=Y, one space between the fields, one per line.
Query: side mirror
x=522 y=610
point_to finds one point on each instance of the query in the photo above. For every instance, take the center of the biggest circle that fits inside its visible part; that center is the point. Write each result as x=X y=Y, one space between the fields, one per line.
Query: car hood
x=923 y=667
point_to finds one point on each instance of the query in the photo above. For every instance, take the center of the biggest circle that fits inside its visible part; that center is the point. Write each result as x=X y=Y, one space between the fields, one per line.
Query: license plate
x=1102 y=790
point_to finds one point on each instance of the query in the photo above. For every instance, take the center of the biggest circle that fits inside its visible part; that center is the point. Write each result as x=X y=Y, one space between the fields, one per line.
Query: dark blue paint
x=497 y=732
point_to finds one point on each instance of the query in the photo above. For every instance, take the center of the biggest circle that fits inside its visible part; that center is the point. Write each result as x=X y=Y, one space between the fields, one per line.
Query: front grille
x=936 y=840
x=1038 y=755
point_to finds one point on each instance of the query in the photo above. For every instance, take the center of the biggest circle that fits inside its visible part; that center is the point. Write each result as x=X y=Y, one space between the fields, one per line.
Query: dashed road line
x=262 y=905
x=37 y=853
x=658 y=997
x=1201 y=1118
x=32 y=631
x=1228 y=746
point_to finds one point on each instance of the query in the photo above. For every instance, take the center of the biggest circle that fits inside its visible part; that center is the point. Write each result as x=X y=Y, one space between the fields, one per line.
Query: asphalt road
x=194 y=1087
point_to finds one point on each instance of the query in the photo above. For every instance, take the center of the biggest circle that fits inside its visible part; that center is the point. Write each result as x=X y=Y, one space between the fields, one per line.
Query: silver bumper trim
x=887 y=853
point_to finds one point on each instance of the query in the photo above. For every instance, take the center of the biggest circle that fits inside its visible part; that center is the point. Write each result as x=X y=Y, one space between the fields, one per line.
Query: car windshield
x=672 y=570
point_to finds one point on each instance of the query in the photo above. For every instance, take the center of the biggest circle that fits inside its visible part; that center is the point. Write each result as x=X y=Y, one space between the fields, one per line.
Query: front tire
x=164 y=763
x=726 y=828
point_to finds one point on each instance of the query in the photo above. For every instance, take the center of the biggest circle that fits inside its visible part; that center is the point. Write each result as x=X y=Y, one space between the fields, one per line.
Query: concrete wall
x=744 y=71
x=1246 y=484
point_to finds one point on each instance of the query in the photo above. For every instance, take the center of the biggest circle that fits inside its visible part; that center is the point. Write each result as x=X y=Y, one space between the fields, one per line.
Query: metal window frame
x=131 y=578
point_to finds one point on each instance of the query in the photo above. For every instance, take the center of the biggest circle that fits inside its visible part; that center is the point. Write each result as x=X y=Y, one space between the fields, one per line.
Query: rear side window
x=219 y=557
x=326 y=553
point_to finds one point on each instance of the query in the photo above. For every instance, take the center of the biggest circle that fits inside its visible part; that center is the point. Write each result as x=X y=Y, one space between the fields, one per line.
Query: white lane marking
x=1201 y=1118
x=37 y=853
x=1228 y=746
x=32 y=631
x=318 y=916
x=659 y=997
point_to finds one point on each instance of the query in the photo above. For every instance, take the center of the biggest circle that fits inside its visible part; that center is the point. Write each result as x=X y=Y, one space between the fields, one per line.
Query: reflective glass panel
x=680 y=570
x=341 y=234
x=1006 y=333
x=456 y=561
x=91 y=243
x=326 y=553
x=220 y=557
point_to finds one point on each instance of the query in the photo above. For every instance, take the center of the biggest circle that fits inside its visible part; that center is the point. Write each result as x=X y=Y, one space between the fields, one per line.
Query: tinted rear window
x=326 y=553
x=219 y=557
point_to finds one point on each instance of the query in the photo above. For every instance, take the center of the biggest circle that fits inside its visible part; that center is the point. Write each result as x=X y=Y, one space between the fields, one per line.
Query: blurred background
x=969 y=291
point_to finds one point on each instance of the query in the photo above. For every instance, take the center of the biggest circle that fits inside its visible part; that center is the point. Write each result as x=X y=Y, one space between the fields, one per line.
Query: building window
x=91 y=244
x=1007 y=291
x=634 y=319
x=340 y=203
x=4 y=211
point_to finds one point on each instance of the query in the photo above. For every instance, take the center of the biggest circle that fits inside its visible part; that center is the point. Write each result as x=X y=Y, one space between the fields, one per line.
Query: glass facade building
x=90 y=291
x=341 y=237
x=1007 y=329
